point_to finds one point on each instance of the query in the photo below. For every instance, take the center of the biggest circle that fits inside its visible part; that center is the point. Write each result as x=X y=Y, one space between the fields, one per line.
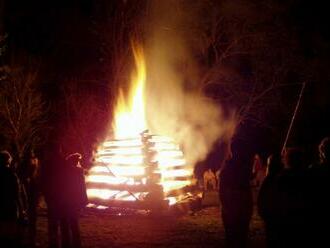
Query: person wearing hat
x=74 y=199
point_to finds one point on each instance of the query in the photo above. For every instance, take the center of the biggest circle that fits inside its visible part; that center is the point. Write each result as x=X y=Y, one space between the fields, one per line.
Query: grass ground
x=137 y=230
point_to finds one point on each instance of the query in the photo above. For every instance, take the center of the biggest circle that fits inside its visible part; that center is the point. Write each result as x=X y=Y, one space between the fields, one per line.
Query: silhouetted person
x=51 y=181
x=292 y=186
x=257 y=171
x=74 y=200
x=209 y=180
x=236 y=196
x=9 y=206
x=269 y=201
x=319 y=207
x=31 y=180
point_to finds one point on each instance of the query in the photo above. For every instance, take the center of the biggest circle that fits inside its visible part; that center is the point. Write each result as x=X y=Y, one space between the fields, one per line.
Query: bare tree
x=22 y=116
x=246 y=54
x=84 y=117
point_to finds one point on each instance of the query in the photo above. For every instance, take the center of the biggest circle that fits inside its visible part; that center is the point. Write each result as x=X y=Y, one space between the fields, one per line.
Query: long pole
x=293 y=116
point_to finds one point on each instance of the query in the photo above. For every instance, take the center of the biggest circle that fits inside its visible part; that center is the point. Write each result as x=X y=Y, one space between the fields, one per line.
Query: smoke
x=175 y=105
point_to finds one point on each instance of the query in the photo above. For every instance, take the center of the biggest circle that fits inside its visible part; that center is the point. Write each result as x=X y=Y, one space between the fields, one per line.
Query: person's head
x=274 y=164
x=293 y=158
x=5 y=159
x=324 y=150
x=74 y=159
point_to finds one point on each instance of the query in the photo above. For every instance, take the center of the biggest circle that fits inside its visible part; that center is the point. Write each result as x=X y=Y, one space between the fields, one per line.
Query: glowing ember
x=137 y=166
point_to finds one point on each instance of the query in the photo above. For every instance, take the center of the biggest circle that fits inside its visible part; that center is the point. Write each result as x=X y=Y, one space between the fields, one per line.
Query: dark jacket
x=269 y=199
x=73 y=188
x=9 y=194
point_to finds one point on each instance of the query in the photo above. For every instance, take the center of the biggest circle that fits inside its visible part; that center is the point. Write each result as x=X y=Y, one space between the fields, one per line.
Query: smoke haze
x=175 y=106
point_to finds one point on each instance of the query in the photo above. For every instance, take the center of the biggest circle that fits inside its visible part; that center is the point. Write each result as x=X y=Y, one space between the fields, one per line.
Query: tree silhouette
x=22 y=109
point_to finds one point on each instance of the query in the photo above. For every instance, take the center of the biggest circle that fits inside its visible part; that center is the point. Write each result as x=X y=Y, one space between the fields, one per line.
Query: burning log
x=119 y=187
x=146 y=205
x=151 y=170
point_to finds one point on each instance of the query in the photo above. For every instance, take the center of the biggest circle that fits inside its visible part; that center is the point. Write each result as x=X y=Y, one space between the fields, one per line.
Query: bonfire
x=136 y=168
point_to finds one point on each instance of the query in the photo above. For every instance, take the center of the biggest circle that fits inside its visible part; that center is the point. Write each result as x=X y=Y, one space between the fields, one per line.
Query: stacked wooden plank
x=140 y=172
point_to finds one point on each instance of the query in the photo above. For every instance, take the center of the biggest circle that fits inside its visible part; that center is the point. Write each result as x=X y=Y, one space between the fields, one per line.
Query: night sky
x=65 y=37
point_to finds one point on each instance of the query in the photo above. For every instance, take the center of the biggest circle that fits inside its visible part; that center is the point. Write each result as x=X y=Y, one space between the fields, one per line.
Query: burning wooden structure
x=137 y=169
x=147 y=172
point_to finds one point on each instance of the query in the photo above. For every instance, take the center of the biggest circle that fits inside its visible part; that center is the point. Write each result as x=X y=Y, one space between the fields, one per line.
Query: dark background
x=64 y=36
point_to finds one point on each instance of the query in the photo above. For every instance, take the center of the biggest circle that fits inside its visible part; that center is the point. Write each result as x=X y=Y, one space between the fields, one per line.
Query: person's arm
x=228 y=155
x=84 y=197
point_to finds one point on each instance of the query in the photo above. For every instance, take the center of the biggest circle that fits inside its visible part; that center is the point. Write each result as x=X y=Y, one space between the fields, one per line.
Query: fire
x=135 y=165
x=130 y=118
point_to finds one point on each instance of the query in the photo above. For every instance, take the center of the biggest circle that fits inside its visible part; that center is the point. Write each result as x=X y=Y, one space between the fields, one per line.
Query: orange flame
x=122 y=161
x=130 y=117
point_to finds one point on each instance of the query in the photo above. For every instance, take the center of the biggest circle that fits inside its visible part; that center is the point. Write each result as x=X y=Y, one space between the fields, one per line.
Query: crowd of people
x=61 y=183
x=292 y=197
x=291 y=200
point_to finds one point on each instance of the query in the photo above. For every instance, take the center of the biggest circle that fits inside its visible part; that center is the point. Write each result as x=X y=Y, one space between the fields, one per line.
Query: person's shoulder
x=78 y=170
x=314 y=166
x=9 y=173
x=319 y=168
x=285 y=176
x=324 y=169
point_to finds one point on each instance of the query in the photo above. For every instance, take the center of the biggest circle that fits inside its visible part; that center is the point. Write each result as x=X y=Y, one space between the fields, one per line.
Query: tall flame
x=124 y=168
x=130 y=114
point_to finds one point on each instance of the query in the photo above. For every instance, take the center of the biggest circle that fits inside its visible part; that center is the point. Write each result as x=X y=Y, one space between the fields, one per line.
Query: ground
x=138 y=229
